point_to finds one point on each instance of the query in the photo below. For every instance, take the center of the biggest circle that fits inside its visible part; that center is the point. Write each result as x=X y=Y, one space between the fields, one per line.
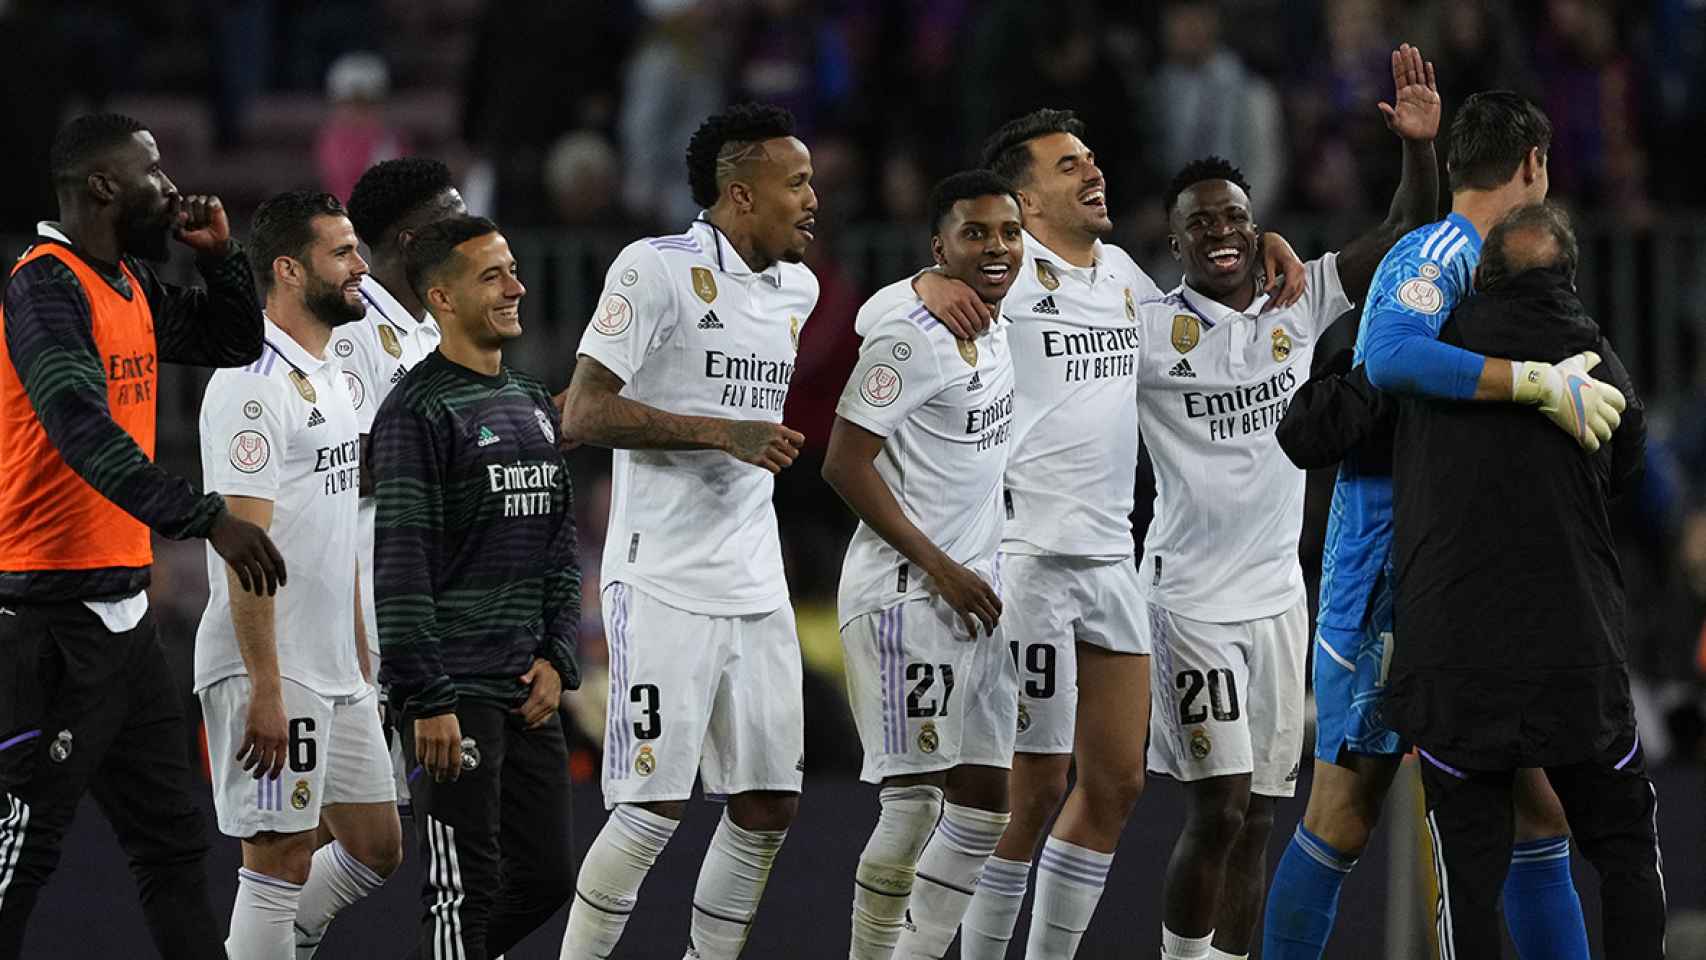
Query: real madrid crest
x=302 y=385
x=1200 y=744
x=388 y=340
x=1282 y=344
x=1187 y=330
x=1046 y=276
x=968 y=351
x=300 y=796
x=794 y=331
x=646 y=763
x=704 y=284
x=1024 y=718
x=1130 y=307
x=928 y=741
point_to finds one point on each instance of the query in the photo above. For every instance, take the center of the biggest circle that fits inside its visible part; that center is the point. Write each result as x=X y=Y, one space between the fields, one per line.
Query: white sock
x=336 y=880
x=948 y=873
x=1175 y=947
x=994 y=911
x=1070 y=879
x=263 y=920
x=731 y=881
x=610 y=878
x=1216 y=954
x=883 y=882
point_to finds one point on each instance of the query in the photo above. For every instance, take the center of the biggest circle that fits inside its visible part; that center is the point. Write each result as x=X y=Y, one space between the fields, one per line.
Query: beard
x=326 y=302
x=143 y=228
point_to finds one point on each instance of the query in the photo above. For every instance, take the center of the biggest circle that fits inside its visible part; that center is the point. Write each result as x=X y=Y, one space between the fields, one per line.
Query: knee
x=1112 y=794
x=382 y=856
x=764 y=811
x=1259 y=820
x=1038 y=792
x=1215 y=824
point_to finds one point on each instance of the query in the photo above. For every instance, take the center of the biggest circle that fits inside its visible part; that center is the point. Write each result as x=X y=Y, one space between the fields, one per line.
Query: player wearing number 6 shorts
x=918 y=451
x=293 y=730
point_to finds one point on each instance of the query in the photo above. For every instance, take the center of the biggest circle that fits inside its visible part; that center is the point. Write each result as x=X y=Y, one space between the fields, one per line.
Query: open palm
x=1414 y=112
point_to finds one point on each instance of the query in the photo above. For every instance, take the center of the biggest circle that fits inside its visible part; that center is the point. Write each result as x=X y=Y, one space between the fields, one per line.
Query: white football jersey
x=1228 y=504
x=945 y=407
x=692 y=330
x=284 y=429
x=1074 y=337
x=376 y=352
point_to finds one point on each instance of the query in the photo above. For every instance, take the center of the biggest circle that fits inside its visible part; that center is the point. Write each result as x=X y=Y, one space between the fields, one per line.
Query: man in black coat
x=1511 y=604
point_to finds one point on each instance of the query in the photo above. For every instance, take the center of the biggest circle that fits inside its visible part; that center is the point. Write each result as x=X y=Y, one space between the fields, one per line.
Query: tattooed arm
x=597 y=413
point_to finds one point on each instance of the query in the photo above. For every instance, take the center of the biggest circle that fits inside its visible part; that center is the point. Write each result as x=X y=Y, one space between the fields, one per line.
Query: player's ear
x=102 y=187
x=740 y=194
x=438 y=301
x=1173 y=246
x=936 y=251
x=286 y=270
x=1028 y=204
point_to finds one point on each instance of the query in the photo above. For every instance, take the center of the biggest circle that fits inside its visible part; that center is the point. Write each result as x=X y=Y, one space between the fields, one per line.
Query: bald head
x=1534 y=237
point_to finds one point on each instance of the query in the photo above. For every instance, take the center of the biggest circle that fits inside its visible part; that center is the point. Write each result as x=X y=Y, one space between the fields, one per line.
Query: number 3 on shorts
x=650 y=724
x=1222 y=695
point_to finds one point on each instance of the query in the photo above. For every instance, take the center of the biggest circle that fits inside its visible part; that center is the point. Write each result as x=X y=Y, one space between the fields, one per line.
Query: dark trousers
x=82 y=708
x=496 y=839
x=1611 y=806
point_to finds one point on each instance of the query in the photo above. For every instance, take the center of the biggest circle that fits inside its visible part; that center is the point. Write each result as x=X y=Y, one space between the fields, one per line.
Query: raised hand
x=1413 y=113
x=203 y=226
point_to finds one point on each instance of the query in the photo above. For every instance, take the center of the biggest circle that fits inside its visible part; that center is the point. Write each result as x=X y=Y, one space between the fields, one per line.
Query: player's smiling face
x=487 y=291
x=1065 y=186
x=783 y=201
x=1214 y=237
x=980 y=243
x=335 y=268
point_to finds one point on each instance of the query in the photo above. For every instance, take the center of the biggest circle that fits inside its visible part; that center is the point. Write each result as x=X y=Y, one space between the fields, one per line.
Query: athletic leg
x=538 y=867
x=1542 y=910
x=459 y=823
x=1471 y=823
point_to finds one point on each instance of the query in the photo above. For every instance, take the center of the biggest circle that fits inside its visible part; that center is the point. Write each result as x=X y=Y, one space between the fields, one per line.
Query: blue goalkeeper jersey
x=1419 y=281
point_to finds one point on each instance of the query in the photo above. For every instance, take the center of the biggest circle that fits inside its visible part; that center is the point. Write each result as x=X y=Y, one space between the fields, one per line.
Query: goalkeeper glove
x=1585 y=408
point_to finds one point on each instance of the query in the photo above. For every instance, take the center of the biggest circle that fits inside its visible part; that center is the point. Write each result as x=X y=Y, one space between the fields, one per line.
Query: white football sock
x=263 y=920
x=883 y=881
x=1175 y=947
x=948 y=873
x=610 y=878
x=994 y=911
x=1218 y=954
x=336 y=880
x=1070 y=879
x=731 y=881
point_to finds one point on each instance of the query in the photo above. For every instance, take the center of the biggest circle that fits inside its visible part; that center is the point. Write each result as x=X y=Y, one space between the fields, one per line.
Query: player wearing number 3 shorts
x=683 y=369
x=918 y=451
x=293 y=731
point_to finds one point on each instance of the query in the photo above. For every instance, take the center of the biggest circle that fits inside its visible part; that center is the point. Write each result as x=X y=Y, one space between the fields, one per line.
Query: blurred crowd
x=576 y=113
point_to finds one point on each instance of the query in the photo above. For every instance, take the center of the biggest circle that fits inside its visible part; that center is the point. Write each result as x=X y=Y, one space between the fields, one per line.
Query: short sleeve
x=635 y=314
x=244 y=433
x=357 y=349
x=898 y=371
x=1324 y=297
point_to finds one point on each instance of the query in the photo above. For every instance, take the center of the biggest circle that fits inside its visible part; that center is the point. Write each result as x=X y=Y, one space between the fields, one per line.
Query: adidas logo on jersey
x=976 y=382
x=487 y=437
x=1182 y=369
x=710 y=322
x=1046 y=305
x=314 y=418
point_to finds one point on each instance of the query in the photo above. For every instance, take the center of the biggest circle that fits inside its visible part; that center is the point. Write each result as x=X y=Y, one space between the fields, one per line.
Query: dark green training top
x=475 y=563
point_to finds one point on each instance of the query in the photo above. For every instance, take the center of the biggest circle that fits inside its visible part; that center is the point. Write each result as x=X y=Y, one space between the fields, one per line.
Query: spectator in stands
x=791 y=54
x=356 y=134
x=673 y=82
x=1209 y=102
x=583 y=179
x=1592 y=91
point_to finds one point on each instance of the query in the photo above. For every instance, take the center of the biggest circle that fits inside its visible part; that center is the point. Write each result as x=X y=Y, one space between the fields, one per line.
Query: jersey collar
x=1061 y=264
x=1211 y=311
x=728 y=259
x=289 y=350
x=380 y=301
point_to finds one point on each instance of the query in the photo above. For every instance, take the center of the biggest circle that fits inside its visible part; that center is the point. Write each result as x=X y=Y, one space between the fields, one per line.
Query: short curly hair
x=725 y=140
x=86 y=138
x=391 y=191
x=1195 y=172
x=1006 y=152
x=966 y=185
